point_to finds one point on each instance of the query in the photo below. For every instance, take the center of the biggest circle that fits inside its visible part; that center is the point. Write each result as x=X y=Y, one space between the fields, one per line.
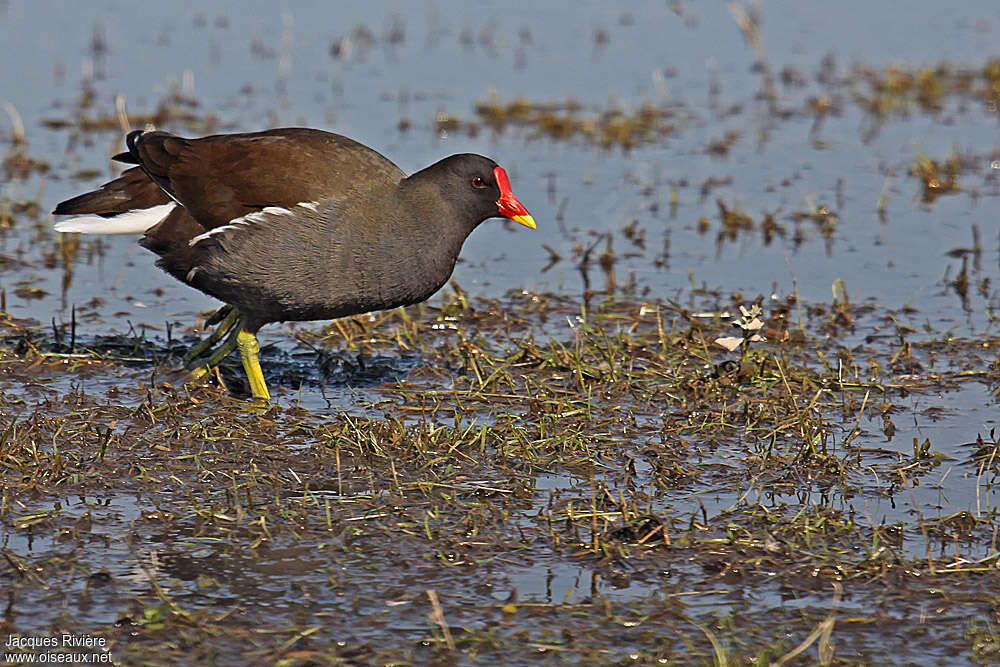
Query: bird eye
x=478 y=182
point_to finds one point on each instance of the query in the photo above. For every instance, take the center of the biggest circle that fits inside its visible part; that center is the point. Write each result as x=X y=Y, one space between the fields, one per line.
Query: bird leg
x=219 y=354
x=229 y=318
x=249 y=351
x=218 y=315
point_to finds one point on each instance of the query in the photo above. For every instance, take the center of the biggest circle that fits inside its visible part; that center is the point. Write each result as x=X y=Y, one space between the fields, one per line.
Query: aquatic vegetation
x=612 y=127
x=447 y=469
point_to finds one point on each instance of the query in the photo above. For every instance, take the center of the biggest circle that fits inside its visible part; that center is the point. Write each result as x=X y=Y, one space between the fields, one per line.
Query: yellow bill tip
x=525 y=220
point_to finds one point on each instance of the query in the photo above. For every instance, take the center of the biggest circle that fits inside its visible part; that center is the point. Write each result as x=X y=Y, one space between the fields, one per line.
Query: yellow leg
x=249 y=351
x=217 y=357
x=218 y=315
x=230 y=320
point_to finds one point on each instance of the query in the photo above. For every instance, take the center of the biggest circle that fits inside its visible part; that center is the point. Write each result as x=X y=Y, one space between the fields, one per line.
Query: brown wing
x=223 y=177
x=132 y=190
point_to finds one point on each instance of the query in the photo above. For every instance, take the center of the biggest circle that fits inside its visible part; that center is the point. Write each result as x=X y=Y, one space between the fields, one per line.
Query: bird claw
x=231 y=327
x=230 y=319
x=218 y=315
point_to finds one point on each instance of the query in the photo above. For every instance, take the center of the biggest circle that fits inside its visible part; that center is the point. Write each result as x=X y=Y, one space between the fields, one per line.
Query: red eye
x=478 y=182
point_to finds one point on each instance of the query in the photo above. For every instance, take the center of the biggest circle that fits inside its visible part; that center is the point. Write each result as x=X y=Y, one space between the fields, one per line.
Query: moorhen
x=292 y=224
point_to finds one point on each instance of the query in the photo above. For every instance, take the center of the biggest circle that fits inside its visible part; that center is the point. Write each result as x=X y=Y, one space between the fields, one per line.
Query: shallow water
x=255 y=66
x=263 y=68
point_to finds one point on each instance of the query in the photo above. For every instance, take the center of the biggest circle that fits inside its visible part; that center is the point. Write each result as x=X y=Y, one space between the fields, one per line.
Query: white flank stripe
x=257 y=216
x=130 y=222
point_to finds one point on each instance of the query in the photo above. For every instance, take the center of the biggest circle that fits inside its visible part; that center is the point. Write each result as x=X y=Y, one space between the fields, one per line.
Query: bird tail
x=130 y=204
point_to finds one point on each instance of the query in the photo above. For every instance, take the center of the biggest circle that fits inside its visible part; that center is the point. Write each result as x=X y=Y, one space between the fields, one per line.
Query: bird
x=291 y=224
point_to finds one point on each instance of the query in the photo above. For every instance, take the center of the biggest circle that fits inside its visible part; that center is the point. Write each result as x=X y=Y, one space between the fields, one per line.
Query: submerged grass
x=533 y=478
x=604 y=490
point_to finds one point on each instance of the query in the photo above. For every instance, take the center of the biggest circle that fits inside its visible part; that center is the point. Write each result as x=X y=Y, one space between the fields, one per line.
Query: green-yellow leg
x=218 y=355
x=249 y=351
x=217 y=316
x=230 y=320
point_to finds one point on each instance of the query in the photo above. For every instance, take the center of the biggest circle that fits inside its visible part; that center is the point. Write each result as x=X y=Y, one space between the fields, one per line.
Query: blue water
x=261 y=64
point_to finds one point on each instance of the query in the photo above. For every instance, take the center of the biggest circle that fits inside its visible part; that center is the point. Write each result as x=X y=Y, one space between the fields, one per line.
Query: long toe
x=218 y=355
x=219 y=315
x=230 y=320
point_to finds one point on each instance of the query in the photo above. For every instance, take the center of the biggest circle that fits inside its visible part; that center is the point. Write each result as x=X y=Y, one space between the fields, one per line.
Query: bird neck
x=439 y=217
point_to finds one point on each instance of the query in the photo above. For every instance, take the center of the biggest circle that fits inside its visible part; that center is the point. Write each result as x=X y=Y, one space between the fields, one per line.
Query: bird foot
x=231 y=326
x=227 y=317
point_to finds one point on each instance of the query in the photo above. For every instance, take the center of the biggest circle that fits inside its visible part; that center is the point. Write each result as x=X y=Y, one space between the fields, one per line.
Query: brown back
x=222 y=177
